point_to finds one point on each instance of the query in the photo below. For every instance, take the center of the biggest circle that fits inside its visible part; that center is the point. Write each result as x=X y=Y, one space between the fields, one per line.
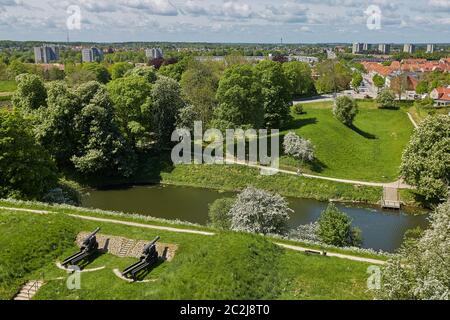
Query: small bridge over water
x=391 y=198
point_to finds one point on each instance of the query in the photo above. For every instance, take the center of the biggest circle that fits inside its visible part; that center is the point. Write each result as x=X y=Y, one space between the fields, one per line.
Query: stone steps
x=29 y=290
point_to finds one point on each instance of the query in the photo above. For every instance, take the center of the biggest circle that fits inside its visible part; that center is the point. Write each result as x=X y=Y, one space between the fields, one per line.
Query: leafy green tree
x=101 y=73
x=30 y=93
x=275 y=92
x=102 y=151
x=300 y=78
x=378 y=81
x=26 y=169
x=426 y=159
x=148 y=73
x=420 y=270
x=386 y=99
x=175 y=70
x=132 y=103
x=239 y=97
x=335 y=228
x=219 y=213
x=357 y=80
x=422 y=87
x=345 y=110
x=54 y=128
x=166 y=103
x=78 y=77
x=119 y=69
x=334 y=76
x=16 y=68
x=199 y=84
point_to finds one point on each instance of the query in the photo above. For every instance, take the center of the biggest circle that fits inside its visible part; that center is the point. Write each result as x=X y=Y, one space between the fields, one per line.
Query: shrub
x=420 y=271
x=298 y=108
x=219 y=213
x=335 y=228
x=345 y=110
x=386 y=99
x=298 y=147
x=259 y=211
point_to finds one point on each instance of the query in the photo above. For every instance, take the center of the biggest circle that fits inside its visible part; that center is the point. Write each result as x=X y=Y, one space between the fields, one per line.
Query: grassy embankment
x=225 y=266
x=369 y=151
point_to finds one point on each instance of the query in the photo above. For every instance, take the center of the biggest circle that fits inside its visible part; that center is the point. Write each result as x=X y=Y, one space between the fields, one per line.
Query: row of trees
x=98 y=130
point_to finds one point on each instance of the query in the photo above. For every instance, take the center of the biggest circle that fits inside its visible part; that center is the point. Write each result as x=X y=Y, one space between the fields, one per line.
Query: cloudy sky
x=296 y=21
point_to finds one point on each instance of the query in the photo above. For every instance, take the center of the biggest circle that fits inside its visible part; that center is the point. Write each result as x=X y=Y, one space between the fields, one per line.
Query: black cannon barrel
x=91 y=235
x=148 y=246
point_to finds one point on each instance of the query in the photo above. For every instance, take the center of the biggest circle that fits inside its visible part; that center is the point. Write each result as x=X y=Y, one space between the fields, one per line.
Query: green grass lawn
x=371 y=151
x=7 y=86
x=226 y=266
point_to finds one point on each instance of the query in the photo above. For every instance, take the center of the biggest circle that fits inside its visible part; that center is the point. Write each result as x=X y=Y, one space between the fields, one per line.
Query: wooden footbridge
x=390 y=199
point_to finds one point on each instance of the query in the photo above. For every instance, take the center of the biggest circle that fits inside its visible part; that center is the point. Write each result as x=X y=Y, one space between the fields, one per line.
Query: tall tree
x=26 y=169
x=30 y=93
x=345 y=110
x=334 y=76
x=199 y=84
x=54 y=127
x=166 y=103
x=102 y=151
x=426 y=159
x=378 y=81
x=300 y=78
x=119 y=69
x=131 y=97
x=239 y=97
x=275 y=92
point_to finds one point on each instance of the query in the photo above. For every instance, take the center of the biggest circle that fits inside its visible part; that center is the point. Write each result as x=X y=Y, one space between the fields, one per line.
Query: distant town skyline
x=247 y=21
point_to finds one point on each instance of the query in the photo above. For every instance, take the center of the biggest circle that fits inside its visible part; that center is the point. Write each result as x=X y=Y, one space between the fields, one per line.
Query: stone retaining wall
x=123 y=247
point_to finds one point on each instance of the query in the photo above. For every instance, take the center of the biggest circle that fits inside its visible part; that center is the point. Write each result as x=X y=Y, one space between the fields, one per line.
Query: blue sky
x=296 y=21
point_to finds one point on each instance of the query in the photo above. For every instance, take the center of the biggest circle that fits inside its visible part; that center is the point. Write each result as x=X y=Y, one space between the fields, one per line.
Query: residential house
x=441 y=96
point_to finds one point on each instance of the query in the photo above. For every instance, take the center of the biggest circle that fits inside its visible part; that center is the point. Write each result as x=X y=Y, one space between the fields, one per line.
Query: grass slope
x=370 y=151
x=229 y=265
x=7 y=85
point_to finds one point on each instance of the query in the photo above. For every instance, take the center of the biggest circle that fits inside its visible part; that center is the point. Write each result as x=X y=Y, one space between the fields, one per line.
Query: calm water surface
x=380 y=229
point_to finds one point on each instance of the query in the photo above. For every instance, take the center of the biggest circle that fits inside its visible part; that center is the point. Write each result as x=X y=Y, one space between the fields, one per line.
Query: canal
x=380 y=229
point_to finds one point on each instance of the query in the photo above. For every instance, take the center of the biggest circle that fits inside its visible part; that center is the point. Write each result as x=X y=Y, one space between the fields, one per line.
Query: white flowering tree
x=422 y=269
x=259 y=211
x=299 y=148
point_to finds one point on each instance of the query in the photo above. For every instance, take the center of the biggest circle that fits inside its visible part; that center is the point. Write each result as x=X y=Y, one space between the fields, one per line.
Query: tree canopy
x=335 y=228
x=345 y=110
x=259 y=211
x=426 y=159
x=420 y=270
x=26 y=169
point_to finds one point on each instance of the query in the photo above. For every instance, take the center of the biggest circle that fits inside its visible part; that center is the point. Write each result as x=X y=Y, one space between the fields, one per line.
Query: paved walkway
x=412 y=120
x=170 y=229
x=331 y=254
x=396 y=184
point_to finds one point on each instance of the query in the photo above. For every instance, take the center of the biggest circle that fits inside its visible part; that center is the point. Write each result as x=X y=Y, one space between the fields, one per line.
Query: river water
x=380 y=229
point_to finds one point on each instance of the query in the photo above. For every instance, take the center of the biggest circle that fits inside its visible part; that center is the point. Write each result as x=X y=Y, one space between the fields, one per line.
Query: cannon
x=149 y=257
x=88 y=247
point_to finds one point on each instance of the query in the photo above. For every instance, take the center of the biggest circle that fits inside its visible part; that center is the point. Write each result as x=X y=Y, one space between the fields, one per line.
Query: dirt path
x=179 y=230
